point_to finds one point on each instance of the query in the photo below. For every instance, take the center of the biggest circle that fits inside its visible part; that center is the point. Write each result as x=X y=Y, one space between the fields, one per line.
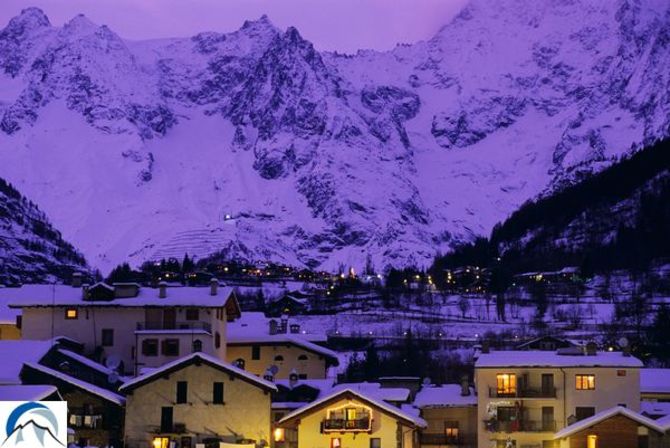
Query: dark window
x=150 y=347
x=279 y=358
x=375 y=442
x=582 y=412
x=255 y=352
x=217 y=340
x=71 y=313
x=192 y=314
x=166 y=419
x=548 y=419
x=239 y=363
x=182 y=392
x=107 y=337
x=302 y=376
x=217 y=397
x=19 y=321
x=197 y=345
x=302 y=358
x=171 y=347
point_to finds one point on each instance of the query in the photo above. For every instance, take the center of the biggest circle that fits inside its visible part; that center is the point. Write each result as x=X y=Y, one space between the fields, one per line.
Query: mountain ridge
x=293 y=144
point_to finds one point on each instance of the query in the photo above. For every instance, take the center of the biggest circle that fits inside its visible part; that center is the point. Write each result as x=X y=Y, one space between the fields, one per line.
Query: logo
x=33 y=424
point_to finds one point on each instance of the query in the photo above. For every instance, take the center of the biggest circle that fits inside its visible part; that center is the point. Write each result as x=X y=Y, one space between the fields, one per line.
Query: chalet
x=524 y=397
x=548 y=343
x=289 y=304
x=94 y=413
x=348 y=418
x=259 y=345
x=617 y=427
x=197 y=399
x=128 y=325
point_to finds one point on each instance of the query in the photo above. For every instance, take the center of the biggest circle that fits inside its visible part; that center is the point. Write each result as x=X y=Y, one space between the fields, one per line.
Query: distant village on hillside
x=181 y=362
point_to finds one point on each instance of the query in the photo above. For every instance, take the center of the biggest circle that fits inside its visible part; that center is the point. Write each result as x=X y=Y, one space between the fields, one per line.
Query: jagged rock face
x=322 y=159
x=31 y=250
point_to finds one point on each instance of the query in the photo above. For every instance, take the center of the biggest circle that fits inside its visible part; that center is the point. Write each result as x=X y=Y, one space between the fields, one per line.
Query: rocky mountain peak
x=30 y=19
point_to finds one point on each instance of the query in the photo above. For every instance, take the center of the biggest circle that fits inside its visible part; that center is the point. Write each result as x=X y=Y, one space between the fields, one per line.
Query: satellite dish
x=113 y=362
x=274 y=369
x=623 y=342
x=113 y=378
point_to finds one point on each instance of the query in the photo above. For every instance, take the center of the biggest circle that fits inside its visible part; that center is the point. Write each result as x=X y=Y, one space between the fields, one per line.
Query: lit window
x=351 y=414
x=591 y=441
x=451 y=430
x=335 y=442
x=585 y=382
x=71 y=313
x=161 y=442
x=506 y=383
x=279 y=434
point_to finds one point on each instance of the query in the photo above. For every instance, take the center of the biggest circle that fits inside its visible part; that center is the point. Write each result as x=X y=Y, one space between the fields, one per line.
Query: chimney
x=465 y=386
x=273 y=326
x=84 y=292
x=293 y=378
x=76 y=280
x=625 y=350
x=213 y=287
x=485 y=346
x=162 y=290
x=269 y=376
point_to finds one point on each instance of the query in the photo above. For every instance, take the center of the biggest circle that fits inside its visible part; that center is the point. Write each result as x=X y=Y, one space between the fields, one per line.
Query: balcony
x=545 y=392
x=175 y=326
x=520 y=425
x=337 y=424
x=440 y=439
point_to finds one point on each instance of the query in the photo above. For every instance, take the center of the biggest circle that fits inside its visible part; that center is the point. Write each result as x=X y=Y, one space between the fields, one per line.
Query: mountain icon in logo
x=32 y=425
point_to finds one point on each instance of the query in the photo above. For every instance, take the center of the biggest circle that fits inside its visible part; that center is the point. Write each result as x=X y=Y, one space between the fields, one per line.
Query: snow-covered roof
x=363 y=397
x=193 y=357
x=86 y=361
x=80 y=384
x=324 y=385
x=655 y=381
x=664 y=422
x=604 y=415
x=254 y=325
x=539 y=358
x=377 y=391
x=447 y=395
x=27 y=392
x=655 y=408
x=15 y=353
x=65 y=295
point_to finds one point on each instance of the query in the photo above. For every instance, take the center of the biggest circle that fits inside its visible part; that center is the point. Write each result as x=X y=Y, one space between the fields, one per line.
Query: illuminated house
x=197 y=399
x=525 y=397
x=125 y=324
x=348 y=418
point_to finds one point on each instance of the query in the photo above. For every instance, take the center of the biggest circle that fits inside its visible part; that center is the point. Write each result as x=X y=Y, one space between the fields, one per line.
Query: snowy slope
x=137 y=150
x=31 y=250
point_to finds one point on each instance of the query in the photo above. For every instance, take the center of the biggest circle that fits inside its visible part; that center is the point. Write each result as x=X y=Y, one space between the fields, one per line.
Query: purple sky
x=344 y=25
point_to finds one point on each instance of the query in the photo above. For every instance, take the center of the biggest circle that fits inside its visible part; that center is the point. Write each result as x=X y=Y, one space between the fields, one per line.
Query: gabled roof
x=196 y=358
x=98 y=391
x=364 y=398
x=234 y=338
x=606 y=414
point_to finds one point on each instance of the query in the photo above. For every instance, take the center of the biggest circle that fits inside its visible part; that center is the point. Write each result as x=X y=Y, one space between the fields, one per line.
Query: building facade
x=524 y=397
x=197 y=399
x=126 y=324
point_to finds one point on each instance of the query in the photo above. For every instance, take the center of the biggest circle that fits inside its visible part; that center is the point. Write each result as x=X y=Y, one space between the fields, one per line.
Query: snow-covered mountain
x=31 y=250
x=255 y=143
